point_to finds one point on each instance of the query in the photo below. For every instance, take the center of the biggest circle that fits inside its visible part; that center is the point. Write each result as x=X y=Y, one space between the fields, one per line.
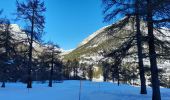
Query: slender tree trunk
x=74 y=69
x=117 y=64
x=68 y=72
x=118 y=78
x=4 y=78
x=51 y=73
x=104 y=74
x=113 y=76
x=29 y=83
x=140 y=56
x=6 y=53
x=3 y=84
x=152 y=54
x=91 y=72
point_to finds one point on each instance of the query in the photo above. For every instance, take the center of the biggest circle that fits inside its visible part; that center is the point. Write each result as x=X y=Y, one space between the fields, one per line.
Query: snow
x=69 y=90
x=15 y=28
x=100 y=79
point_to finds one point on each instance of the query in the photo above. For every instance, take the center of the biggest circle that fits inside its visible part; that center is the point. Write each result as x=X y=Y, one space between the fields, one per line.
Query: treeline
x=128 y=73
x=156 y=15
x=74 y=70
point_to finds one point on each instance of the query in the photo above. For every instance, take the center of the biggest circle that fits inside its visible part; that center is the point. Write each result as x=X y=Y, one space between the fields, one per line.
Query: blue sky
x=68 y=22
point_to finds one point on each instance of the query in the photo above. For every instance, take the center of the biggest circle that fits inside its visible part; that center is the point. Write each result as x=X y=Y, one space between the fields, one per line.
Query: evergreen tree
x=106 y=71
x=53 y=54
x=157 y=16
x=44 y=62
x=7 y=47
x=116 y=8
x=118 y=55
x=67 y=69
x=83 y=70
x=155 y=9
x=90 y=72
x=75 y=66
x=32 y=12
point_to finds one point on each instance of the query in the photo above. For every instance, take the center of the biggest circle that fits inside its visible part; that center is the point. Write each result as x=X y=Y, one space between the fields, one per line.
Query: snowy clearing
x=69 y=90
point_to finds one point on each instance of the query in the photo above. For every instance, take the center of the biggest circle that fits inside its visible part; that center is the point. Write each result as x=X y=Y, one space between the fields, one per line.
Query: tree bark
x=152 y=54
x=118 y=77
x=52 y=68
x=139 y=47
x=29 y=83
x=3 y=84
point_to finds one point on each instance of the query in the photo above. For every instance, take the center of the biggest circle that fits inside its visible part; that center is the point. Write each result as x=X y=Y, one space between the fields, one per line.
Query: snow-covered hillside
x=20 y=35
x=89 y=38
x=99 y=41
x=93 y=49
x=69 y=90
x=109 y=38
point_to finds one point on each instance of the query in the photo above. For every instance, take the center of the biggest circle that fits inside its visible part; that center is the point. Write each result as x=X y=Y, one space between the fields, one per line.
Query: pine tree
x=53 y=53
x=106 y=71
x=90 y=72
x=118 y=55
x=83 y=69
x=116 y=8
x=152 y=7
x=75 y=66
x=67 y=69
x=44 y=62
x=139 y=47
x=32 y=12
x=7 y=45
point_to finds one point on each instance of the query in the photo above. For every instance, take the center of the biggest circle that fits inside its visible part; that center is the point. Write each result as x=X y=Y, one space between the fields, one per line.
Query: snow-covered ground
x=69 y=90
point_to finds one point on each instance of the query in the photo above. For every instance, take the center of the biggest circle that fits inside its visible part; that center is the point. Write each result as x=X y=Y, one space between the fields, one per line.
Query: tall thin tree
x=32 y=12
x=115 y=8
x=139 y=47
x=53 y=54
x=6 y=42
x=152 y=53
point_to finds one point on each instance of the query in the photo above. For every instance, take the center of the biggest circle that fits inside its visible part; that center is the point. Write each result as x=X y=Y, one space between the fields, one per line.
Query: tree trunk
x=117 y=65
x=118 y=77
x=74 y=70
x=140 y=56
x=3 y=84
x=51 y=73
x=4 y=78
x=113 y=76
x=29 y=83
x=152 y=54
x=104 y=74
x=91 y=72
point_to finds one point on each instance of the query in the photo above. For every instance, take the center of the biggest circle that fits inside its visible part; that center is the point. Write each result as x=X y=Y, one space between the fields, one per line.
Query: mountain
x=100 y=41
x=92 y=49
x=22 y=38
x=20 y=35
